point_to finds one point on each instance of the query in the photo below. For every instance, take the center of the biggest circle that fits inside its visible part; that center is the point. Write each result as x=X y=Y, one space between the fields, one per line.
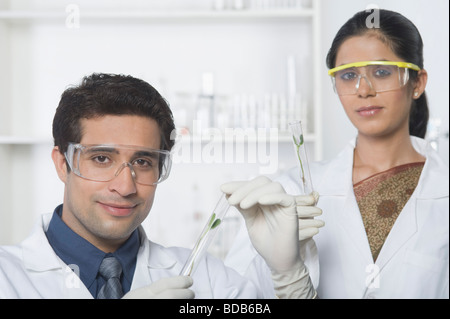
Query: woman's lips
x=118 y=210
x=368 y=110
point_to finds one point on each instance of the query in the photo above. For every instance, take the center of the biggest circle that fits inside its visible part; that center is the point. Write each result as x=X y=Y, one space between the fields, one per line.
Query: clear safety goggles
x=103 y=162
x=380 y=76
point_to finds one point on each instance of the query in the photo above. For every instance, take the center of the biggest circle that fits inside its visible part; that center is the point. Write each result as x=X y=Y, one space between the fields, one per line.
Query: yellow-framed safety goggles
x=379 y=76
x=407 y=65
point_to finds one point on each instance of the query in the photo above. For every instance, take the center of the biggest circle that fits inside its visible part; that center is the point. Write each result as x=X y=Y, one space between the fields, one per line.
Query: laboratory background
x=235 y=73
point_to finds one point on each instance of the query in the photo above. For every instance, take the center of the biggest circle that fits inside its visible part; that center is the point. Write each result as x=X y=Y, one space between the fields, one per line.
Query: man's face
x=106 y=213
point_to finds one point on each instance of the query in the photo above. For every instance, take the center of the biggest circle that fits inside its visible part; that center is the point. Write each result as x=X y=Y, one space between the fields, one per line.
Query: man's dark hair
x=102 y=94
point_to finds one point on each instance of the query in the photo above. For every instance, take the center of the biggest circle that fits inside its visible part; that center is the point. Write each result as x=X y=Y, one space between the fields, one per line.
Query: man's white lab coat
x=33 y=270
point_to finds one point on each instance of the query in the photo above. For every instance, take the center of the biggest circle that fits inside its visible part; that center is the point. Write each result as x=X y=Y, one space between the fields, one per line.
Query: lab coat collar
x=332 y=182
x=406 y=224
x=342 y=165
x=38 y=257
x=433 y=171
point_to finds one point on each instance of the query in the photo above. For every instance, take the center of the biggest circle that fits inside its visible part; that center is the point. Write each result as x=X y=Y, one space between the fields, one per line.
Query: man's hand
x=165 y=288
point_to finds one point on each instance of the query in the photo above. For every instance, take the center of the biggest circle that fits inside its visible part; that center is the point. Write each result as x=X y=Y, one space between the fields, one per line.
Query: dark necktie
x=110 y=270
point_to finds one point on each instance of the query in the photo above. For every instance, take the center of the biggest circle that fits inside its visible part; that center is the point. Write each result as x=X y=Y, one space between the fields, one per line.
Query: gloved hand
x=165 y=288
x=273 y=226
x=306 y=211
x=271 y=219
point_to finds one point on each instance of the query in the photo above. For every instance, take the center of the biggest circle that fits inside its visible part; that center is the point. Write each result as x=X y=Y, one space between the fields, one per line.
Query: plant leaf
x=211 y=220
x=216 y=223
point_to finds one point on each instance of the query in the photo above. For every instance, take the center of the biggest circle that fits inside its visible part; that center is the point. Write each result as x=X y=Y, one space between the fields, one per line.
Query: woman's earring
x=416 y=94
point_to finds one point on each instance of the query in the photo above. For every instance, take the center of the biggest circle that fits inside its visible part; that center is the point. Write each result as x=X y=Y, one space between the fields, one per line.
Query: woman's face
x=374 y=114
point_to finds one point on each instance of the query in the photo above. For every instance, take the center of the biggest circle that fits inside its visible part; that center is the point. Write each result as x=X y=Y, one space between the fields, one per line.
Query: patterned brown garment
x=382 y=197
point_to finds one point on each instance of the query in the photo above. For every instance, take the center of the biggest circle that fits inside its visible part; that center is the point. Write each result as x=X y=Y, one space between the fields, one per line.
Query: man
x=112 y=143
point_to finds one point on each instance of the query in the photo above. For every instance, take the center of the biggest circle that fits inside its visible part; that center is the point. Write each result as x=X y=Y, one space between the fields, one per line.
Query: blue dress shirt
x=75 y=250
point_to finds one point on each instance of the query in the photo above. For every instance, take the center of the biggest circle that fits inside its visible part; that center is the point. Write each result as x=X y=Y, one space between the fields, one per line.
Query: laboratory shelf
x=282 y=137
x=277 y=15
x=24 y=140
x=43 y=48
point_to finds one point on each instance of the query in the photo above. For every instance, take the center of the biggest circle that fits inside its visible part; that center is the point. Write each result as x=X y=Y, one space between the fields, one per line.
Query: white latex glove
x=271 y=219
x=273 y=226
x=165 y=288
x=306 y=211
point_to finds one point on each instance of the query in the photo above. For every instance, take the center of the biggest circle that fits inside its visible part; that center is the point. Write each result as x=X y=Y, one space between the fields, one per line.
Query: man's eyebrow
x=138 y=153
x=146 y=154
x=95 y=149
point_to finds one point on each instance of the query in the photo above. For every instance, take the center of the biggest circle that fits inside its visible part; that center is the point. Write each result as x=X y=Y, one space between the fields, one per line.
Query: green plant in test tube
x=212 y=223
x=300 y=151
x=298 y=141
x=206 y=236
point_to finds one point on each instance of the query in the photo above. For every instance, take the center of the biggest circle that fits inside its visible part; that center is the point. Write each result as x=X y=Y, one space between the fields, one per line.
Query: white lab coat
x=33 y=270
x=414 y=260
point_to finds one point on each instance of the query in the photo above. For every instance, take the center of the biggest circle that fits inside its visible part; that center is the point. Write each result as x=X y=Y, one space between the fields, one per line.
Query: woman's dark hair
x=402 y=36
x=109 y=94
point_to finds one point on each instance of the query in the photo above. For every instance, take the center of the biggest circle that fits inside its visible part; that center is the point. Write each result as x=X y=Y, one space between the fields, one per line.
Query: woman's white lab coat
x=414 y=260
x=33 y=270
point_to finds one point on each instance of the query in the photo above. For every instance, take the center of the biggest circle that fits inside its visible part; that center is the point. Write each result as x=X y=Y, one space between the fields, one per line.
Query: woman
x=385 y=197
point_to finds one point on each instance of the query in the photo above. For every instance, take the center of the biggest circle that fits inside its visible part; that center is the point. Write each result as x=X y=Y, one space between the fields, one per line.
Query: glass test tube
x=206 y=236
x=300 y=151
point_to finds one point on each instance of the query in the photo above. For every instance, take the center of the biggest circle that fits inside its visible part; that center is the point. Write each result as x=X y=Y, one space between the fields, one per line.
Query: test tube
x=206 y=236
x=300 y=151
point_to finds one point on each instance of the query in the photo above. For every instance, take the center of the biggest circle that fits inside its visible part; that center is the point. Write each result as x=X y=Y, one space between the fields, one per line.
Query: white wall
x=46 y=56
x=431 y=18
x=40 y=68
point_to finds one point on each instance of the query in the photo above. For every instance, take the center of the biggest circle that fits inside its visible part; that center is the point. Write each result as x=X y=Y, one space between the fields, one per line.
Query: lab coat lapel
x=74 y=288
x=351 y=220
x=40 y=260
x=38 y=255
x=406 y=224
x=404 y=228
x=151 y=259
x=338 y=183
